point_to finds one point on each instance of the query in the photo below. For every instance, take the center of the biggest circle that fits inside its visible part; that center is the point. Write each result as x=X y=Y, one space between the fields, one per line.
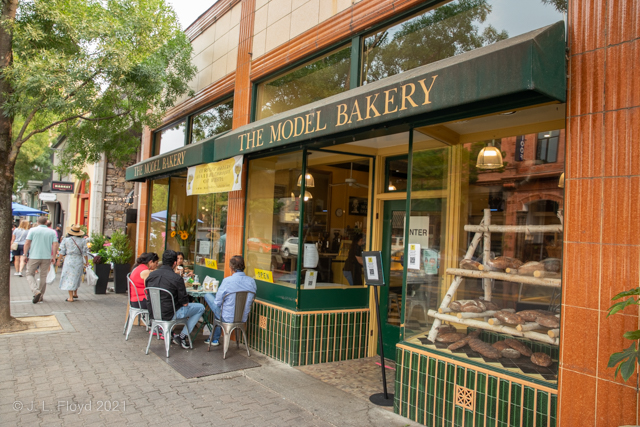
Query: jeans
x=210 y=299
x=348 y=276
x=192 y=312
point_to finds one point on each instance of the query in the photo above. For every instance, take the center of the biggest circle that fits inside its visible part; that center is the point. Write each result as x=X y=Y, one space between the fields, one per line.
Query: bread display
x=541 y=359
x=510 y=353
x=507 y=317
x=449 y=337
x=489 y=305
x=530 y=267
x=497 y=264
x=529 y=315
x=552 y=265
x=469 y=264
x=484 y=349
x=509 y=262
x=517 y=345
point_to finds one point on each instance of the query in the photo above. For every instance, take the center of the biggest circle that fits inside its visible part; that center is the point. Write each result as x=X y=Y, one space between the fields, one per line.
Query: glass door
x=392 y=262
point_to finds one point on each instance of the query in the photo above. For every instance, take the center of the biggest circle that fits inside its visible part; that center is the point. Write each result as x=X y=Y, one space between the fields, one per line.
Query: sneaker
x=36 y=298
x=17 y=274
x=213 y=343
x=179 y=341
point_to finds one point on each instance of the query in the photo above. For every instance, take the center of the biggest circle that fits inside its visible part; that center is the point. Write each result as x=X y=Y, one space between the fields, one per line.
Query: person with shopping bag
x=74 y=249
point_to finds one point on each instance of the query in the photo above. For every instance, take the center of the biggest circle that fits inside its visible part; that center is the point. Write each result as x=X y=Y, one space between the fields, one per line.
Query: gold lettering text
x=355 y=110
x=406 y=97
x=318 y=122
x=284 y=127
x=275 y=136
x=425 y=90
x=295 y=132
x=342 y=112
x=371 y=107
x=308 y=124
x=389 y=100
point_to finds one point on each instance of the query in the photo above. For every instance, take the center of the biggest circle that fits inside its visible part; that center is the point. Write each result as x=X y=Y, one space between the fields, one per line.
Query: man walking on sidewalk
x=40 y=252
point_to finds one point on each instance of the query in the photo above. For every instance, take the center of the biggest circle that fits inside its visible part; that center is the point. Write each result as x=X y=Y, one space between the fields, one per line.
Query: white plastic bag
x=92 y=277
x=51 y=276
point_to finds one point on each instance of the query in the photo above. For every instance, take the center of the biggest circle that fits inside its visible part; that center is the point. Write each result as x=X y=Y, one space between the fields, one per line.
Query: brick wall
x=602 y=237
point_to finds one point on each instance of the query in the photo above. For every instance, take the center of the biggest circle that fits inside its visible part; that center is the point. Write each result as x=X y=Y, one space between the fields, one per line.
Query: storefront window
x=182 y=219
x=510 y=274
x=169 y=139
x=547 y=151
x=311 y=82
x=335 y=221
x=396 y=173
x=273 y=218
x=158 y=201
x=449 y=30
x=211 y=235
x=212 y=122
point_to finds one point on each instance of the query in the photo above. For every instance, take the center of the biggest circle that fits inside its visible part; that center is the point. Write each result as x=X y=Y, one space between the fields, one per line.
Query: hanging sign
x=264 y=275
x=373 y=268
x=419 y=230
x=414 y=257
x=310 y=279
x=61 y=187
x=211 y=263
x=520 y=149
x=218 y=177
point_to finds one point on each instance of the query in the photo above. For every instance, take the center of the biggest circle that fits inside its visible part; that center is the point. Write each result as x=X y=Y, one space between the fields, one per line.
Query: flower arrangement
x=184 y=232
x=119 y=249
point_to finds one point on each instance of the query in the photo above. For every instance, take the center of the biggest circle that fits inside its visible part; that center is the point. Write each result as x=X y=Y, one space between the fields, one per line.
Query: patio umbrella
x=22 y=210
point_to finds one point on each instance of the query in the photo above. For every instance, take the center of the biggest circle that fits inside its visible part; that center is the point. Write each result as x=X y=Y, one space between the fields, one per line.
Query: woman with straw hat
x=75 y=250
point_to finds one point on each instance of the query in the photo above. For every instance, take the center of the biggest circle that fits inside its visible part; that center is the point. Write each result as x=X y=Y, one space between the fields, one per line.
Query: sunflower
x=184 y=235
x=173 y=234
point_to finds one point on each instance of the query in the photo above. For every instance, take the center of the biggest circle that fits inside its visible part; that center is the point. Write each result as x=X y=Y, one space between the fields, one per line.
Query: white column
x=96 y=204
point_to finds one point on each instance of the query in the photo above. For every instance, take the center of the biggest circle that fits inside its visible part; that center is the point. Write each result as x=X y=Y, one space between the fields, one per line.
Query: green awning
x=181 y=158
x=525 y=70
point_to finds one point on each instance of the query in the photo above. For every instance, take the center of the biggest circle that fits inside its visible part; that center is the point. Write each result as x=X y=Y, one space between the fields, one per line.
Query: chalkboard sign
x=373 y=275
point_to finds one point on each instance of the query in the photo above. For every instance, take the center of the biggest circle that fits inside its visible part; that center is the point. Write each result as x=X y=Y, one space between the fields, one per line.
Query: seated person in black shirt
x=164 y=277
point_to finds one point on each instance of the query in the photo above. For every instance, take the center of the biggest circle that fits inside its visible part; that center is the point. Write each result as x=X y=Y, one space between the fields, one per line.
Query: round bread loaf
x=456 y=345
x=517 y=345
x=500 y=345
x=489 y=305
x=446 y=329
x=450 y=337
x=529 y=315
x=484 y=349
x=541 y=359
x=510 y=353
x=511 y=318
x=548 y=321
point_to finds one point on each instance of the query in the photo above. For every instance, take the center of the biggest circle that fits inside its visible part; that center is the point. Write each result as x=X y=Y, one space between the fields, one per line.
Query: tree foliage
x=97 y=71
x=34 y=159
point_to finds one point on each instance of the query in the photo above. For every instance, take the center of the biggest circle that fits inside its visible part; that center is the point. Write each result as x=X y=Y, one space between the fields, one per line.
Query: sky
x=189 y=10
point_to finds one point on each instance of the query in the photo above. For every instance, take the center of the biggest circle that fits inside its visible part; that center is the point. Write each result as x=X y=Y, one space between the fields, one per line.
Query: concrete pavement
x=86 y=374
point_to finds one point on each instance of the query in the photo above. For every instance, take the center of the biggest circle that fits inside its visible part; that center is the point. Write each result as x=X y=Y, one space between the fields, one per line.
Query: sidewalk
x=86 y=374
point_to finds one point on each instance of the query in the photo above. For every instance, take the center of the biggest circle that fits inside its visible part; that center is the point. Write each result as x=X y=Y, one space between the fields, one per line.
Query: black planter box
x=120 y=272
x=102 y=271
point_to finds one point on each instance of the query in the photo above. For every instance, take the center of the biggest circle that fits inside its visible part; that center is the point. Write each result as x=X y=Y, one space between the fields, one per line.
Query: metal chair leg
x=153 y=327
x=246 y=341
x=167 y=341
x=125 y=325
x=130 y=321
x=237 y=340
x=227 y=338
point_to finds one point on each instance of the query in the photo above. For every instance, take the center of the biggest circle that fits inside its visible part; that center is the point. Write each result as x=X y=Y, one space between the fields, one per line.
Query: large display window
x=157 y=220
x=489 y=266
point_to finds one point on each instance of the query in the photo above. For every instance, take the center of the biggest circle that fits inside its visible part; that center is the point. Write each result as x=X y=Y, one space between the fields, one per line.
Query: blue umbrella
x=22 y=210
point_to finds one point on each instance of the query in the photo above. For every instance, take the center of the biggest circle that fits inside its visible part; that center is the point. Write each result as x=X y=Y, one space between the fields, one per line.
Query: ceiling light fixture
x=391 y=186
x=308 y=180
x=307 y=196
x=489 y=158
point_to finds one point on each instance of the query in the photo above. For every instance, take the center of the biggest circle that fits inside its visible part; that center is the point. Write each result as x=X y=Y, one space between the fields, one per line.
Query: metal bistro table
x=208 y=314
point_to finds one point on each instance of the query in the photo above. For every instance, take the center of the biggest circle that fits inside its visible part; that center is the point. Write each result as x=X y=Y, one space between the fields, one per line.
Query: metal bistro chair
x=153 y=296
x=133 y=311
x=228 y=328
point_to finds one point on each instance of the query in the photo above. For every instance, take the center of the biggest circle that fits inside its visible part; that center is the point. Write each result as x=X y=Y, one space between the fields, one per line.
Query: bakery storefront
x=178 y=218
x=452 y=168
x=453 y=171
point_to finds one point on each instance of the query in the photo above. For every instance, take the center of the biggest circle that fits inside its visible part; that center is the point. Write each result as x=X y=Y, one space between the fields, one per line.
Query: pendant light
x=307 y=196
x=561 y=182
x=489 y=158
x=308 y=180
x=391 y=186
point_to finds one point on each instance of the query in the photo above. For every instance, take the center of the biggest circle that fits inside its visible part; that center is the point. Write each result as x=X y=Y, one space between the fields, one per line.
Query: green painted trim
x=303 y=188
x=254 y=102
x=356 y=64
x=282 y=296
x=406 y=233
x=203 y=272
x=333 y=299
x=524 y=70
x=387 y=160
x=505 y=372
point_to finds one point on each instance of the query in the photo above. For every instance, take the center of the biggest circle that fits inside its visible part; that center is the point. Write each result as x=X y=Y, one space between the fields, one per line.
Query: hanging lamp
x=307 y=196
x=308 y=180
x=391 y=186
x=489 y=158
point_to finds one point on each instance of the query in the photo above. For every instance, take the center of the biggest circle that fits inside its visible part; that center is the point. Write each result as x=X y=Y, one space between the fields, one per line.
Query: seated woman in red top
x=145 y=264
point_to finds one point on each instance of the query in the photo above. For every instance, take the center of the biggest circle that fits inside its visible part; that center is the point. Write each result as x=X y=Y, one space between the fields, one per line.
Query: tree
x=98 y=71
x=34 y=159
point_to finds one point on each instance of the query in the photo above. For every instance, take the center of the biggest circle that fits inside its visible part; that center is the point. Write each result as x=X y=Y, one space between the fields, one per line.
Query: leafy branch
x=627 y=360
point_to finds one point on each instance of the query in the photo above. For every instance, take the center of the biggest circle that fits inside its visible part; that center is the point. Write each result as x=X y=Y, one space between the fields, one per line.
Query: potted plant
x=100 y=265
x=628 y=359
x=120 y=253
x=184 y=234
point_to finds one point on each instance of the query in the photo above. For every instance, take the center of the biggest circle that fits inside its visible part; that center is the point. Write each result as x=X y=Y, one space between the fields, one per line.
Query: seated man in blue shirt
x=237 y=282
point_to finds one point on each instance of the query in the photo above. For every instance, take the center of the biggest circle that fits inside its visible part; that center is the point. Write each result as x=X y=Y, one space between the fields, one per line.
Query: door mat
x=198 y=362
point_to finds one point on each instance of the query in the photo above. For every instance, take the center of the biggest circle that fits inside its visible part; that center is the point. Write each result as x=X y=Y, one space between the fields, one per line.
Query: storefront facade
x=438 y=133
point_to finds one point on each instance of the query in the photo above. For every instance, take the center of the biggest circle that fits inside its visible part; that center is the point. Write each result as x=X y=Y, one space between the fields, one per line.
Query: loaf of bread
x=510 y=353
x=484 y=349
x=507 y=317
x=548 y=321
x=500 y=345
x=496 y=264
x=489 y=305
x=552 y=265
x=529 y=315
x=517 y=345
x=446 y=329
x=450 y=337
x=541 y=359
x=530 y=267
x=509 y=262
x=467 y=306
x=469 y=264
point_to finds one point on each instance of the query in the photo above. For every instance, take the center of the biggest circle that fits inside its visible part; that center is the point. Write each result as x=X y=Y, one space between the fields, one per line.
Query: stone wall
x=115 y=194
